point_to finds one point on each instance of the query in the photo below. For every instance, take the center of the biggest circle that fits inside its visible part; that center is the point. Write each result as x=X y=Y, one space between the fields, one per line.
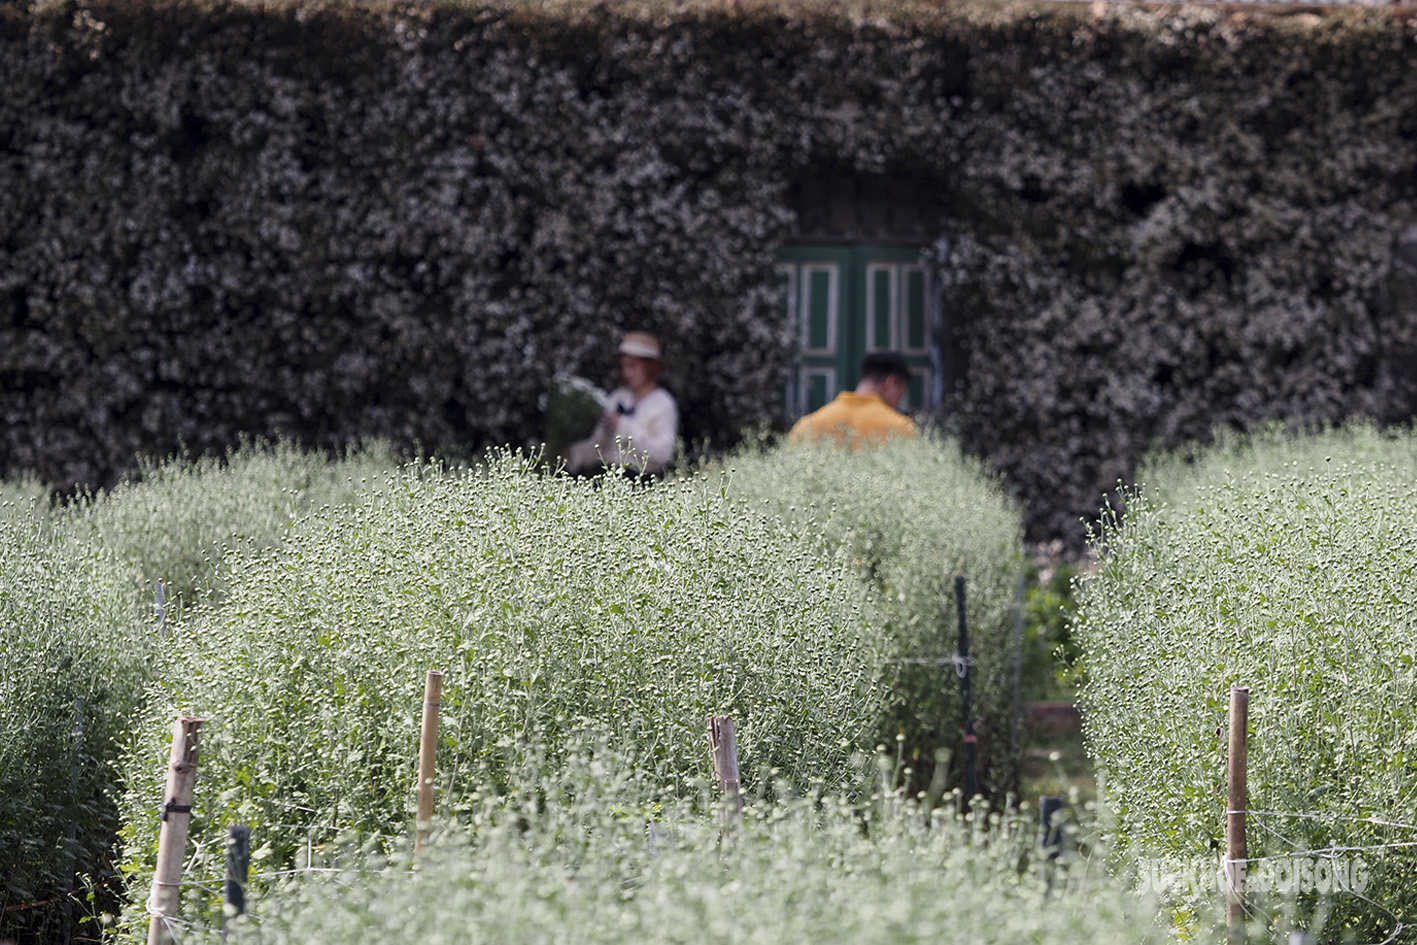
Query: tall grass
x=1180 y=478
x=18 y=496
x=1288 y=565
x=586 y=629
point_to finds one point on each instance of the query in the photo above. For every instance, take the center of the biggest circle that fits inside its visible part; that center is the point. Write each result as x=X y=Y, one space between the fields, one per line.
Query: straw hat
x=640 y=344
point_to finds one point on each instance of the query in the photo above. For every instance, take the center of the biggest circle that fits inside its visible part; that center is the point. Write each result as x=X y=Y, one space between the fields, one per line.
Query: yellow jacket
x=853 y=418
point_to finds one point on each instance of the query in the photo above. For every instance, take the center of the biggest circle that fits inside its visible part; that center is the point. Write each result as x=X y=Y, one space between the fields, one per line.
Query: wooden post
x=172 y=835
x=725 y=763
x=1235 y=849
x=427 y=754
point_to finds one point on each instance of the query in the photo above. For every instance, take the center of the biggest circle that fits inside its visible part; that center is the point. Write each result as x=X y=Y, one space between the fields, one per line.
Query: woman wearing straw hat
x=639 y=432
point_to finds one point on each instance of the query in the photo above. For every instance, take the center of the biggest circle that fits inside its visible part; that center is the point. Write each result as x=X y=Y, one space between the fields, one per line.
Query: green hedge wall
x=331 y=221
x=1189 y=221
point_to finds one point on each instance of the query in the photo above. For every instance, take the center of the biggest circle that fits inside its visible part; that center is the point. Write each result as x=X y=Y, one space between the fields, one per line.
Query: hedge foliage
x=335 y=222
x=331 y=220
x=1285 y=565
x=910 y=516
x=1215 y=206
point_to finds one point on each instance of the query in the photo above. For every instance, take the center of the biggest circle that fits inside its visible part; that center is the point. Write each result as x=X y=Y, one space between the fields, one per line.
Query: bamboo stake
x=1235 y=849
x=725 y=764
x=172 y=834
x=427 y=753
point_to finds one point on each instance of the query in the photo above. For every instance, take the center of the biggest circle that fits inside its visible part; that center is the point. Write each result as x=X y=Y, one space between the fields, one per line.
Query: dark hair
x=879 y=365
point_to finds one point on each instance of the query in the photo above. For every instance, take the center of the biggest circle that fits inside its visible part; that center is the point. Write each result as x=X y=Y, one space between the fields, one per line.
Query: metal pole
x=971 y=778
x=71 y=833
x=1050 y=824
x=1018 y=678
x=238 y=872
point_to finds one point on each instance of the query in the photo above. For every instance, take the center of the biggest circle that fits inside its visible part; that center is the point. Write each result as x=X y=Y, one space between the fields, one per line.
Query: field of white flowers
x=586 y=629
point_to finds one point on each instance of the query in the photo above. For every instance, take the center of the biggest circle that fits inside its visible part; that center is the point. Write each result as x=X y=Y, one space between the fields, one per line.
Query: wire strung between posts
x=1398 y=924
x=1337 y=819
x=201 y=852
x=200 y=884
x=1330 y=853
x=1324 y=851
x=311 y=829
x=205 y=884
x=960 y=663
x=290 y=805
x=171 y=924
x=275 y=874
x=1286 y=840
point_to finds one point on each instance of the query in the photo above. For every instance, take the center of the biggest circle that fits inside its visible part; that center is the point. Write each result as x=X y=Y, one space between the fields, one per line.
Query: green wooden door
x=846 y=301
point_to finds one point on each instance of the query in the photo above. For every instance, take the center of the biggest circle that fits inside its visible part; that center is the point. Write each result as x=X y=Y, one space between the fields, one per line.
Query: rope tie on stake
x=170 y=806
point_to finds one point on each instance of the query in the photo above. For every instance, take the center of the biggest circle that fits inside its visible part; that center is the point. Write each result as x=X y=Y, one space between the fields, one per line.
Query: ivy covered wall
x=1181 y=220
x=331 y=221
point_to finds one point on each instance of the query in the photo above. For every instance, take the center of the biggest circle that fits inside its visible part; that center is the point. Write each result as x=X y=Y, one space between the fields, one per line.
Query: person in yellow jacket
x=867 y=414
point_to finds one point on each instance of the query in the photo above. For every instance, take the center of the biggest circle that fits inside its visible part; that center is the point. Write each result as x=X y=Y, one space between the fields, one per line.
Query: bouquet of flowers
x=572 y=407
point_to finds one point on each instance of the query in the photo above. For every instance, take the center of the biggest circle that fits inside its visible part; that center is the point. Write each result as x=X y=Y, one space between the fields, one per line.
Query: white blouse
x=645 y=436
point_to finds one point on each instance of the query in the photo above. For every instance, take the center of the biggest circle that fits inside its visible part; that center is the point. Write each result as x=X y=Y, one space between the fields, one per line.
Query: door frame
x=834 y=293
